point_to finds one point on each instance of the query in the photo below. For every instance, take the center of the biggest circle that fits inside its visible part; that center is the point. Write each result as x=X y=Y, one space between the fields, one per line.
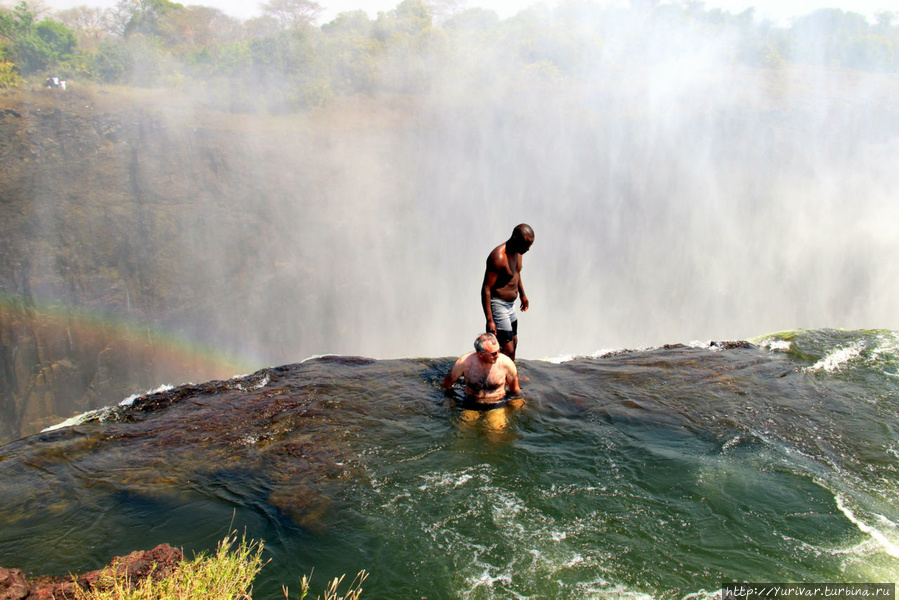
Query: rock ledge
x=157 y=563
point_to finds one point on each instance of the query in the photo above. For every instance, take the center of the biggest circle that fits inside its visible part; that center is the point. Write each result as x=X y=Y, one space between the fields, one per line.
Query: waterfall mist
x=672 y=200
x=675 y=194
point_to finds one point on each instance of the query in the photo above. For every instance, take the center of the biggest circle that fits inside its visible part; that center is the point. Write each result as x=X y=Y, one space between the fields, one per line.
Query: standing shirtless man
x=502 y=285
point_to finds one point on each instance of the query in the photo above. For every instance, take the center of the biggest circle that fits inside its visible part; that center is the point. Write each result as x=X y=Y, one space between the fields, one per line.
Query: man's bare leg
x=509 y=349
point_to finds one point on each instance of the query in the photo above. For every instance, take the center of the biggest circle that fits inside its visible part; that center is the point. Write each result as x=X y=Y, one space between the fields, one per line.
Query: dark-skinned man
x=502 y=286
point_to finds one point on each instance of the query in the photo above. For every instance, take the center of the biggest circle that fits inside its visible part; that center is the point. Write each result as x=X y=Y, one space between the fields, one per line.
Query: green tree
x=90 y=24
x=410 y=17
x=111 y=63
x=826 y=37
x=35 y=46
x=351 y=52
x=293 y=14
x=196 y=28
x=146 y=15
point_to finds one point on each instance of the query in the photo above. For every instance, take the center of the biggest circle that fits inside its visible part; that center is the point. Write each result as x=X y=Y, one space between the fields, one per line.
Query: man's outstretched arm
x=454 y=375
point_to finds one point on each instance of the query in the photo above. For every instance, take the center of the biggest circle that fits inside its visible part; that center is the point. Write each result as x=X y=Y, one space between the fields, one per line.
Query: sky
x=777 y=10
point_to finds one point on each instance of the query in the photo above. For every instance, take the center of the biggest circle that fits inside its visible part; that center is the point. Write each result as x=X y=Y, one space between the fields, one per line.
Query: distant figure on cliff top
x=502 y=285
x=489 y=377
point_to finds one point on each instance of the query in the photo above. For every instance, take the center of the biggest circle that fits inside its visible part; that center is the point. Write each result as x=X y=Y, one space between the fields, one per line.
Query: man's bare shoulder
x=497 y=258
x=507 y=363
x=466 y=358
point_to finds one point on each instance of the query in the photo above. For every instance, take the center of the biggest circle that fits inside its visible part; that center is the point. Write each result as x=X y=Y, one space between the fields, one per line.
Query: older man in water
x=502 y=286
x=489 y=376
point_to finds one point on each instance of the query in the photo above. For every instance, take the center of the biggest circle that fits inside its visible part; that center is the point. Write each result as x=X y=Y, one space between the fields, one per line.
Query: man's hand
x=491 y=327
x=524 y=303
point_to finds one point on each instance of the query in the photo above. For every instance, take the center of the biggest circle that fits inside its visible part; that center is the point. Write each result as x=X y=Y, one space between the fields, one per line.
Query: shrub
x=9 y=75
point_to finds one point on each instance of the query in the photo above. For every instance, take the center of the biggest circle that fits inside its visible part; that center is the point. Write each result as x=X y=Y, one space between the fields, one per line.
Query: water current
x=656 y=473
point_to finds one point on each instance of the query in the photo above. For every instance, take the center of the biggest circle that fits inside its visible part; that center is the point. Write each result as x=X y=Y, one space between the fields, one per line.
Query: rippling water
x=656 y=473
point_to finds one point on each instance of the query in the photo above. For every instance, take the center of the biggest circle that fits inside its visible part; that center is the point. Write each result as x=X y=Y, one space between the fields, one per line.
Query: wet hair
x=482 y=341
x=523 y=231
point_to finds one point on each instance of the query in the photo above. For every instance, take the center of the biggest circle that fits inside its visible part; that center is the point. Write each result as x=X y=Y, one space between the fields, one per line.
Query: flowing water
x=654 y=473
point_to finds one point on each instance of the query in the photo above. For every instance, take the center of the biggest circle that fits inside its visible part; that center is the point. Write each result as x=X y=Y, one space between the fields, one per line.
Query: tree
x=445 y=9
x=293 y=14
x=147 y=14
x=354 y=22
x=351 y=51
x=197 y=27
x=89 y=24
x=826 y=36
x=413 y=16
x=473 y=19
x=410 y=17
x=885 y=19
x=34 y=46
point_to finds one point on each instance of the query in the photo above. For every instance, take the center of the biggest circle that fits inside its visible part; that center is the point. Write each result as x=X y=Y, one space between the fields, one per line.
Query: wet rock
x=157 y=563
x=731 y=344
x=13 y=585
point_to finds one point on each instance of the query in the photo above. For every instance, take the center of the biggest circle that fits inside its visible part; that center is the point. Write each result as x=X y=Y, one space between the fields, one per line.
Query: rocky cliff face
x=147 y=239
x=109 y=212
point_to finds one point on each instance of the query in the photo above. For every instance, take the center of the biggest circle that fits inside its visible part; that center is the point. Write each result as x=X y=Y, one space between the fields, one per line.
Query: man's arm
x=512 y=376
x=490 y=276
x=524 y=297
x=455 y=373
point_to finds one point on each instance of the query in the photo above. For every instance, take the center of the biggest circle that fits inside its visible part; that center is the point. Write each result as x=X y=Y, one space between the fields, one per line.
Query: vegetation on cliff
x=226 y=574
x=298 y=63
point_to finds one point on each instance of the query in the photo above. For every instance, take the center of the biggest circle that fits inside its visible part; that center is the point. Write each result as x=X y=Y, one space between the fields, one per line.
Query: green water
x=658 y=473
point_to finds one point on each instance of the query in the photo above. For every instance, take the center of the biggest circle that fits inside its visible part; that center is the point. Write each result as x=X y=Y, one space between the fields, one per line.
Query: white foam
x=888 y=546
x=730 y=444
x=837 y=359
x=445 y=480
x=258 y=386
x=776 y=345
x=101 y=414
x=130 y=399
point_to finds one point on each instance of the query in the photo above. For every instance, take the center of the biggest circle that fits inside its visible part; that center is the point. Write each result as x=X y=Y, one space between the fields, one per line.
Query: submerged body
x=489 y=377
x=487 y=372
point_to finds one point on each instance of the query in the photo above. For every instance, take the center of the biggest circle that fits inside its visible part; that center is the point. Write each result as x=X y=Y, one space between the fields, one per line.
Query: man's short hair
x=482 y=341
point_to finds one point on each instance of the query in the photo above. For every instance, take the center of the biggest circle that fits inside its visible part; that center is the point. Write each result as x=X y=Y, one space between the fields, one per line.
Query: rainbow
x=50 y=322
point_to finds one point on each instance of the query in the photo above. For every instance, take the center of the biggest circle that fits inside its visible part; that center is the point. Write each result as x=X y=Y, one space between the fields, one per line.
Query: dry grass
x=226 y=574
x=331 y=592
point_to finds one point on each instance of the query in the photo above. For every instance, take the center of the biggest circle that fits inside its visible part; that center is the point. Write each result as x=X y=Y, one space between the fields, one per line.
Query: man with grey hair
x=487 y=373
x=502 y=286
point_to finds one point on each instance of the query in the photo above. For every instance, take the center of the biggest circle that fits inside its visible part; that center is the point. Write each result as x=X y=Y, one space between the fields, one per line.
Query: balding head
x=521 y=240
x=524 y=230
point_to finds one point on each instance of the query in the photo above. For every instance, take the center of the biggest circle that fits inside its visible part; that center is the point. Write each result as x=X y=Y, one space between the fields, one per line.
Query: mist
x=676 y=194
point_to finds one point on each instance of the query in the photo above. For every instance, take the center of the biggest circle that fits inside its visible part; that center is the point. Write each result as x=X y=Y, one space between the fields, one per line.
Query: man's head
x=522 y=238
x=487 y=348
